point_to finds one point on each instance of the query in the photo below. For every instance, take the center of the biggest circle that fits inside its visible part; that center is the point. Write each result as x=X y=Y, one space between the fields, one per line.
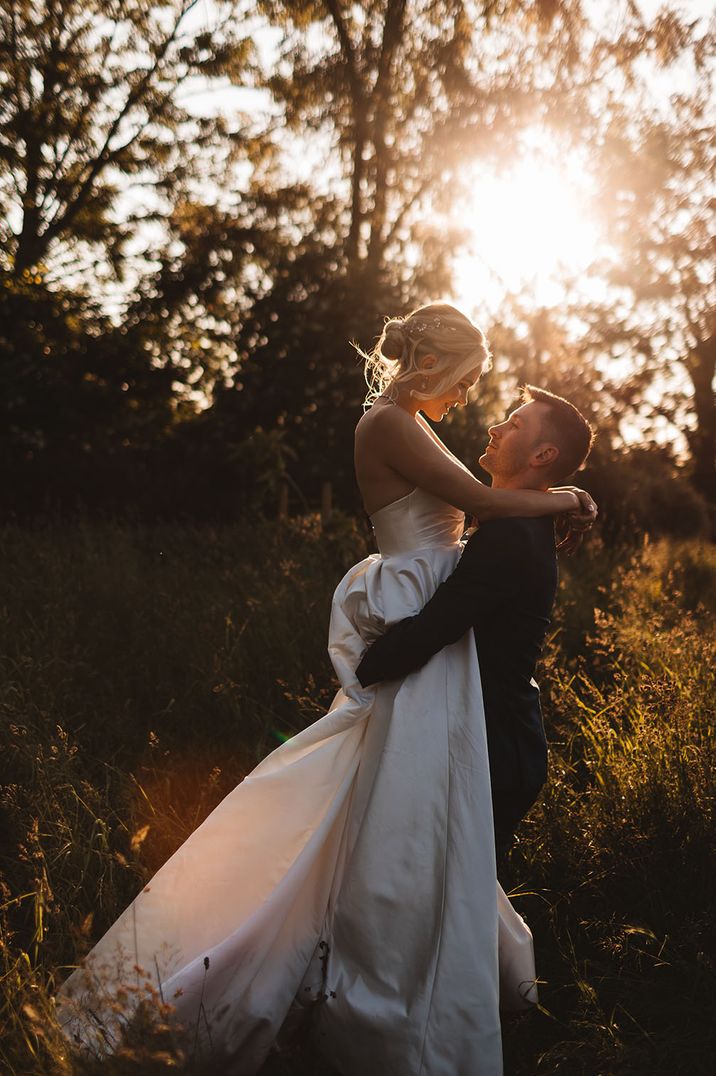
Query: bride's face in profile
x=456 y=396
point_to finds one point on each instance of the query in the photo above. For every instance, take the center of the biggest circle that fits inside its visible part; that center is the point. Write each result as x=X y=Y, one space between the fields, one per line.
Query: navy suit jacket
x=503 y=587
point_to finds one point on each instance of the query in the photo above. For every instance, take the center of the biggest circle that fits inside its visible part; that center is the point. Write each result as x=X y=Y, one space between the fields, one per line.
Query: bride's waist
x=394 y=551
x=387 y=587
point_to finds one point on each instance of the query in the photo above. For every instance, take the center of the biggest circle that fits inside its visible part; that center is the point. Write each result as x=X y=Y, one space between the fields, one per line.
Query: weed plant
x=144 y=671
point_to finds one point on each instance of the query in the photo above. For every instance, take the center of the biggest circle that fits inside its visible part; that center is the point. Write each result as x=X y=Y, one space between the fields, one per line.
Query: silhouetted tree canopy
x=123 y=242
x=179 y=294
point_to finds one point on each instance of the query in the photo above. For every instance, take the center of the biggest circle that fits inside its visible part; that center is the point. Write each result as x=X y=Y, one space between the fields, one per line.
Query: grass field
x=145 y=671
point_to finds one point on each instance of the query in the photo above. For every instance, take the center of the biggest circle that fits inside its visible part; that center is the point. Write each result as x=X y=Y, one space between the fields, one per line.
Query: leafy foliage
x=659 y=178
x=90 y=101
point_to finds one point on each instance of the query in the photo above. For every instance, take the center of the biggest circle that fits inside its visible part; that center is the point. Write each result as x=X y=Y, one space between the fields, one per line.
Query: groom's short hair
x=566 y=426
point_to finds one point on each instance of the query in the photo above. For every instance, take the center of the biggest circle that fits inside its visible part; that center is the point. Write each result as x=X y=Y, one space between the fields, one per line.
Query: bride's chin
x=436 y=415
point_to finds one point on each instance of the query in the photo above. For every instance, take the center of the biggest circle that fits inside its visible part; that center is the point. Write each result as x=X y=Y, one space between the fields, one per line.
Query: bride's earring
x=424 y=384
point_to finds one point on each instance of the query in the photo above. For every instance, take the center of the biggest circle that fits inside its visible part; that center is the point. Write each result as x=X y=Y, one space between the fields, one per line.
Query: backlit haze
x=527 y=229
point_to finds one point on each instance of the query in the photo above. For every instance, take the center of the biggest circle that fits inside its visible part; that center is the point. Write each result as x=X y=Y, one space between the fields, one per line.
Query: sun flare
x=529 y=228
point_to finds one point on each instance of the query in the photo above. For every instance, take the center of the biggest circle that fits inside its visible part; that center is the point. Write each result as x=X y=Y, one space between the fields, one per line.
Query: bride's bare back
x=388 y=451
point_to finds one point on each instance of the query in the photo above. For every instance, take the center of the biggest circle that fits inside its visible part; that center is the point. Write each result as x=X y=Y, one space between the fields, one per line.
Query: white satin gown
x=353 y=869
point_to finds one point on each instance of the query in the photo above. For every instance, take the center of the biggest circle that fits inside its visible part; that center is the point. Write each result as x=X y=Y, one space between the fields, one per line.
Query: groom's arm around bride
x=503 y=588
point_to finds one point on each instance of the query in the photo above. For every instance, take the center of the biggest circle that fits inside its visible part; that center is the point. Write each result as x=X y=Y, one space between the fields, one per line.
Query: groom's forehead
x=527 y=413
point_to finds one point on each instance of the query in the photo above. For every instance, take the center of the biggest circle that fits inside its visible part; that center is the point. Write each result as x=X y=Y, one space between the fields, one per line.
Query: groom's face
x=514 y=442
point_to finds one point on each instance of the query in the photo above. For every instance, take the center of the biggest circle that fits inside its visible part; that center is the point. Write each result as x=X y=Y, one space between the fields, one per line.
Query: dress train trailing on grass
x=354 y=868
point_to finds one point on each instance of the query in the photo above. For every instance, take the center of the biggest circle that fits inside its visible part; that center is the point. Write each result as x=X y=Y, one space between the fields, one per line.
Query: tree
x=89 y=102
x=117 y=256
x=640 y=333
x=661 y=183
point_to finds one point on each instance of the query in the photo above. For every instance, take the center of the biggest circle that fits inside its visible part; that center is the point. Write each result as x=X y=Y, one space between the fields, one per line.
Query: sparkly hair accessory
x=415 y=329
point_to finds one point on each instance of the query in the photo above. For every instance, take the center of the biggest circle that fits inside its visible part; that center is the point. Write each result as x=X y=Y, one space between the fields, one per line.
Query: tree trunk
x=701 y=366
x=359 y=111
x=384 y=106
x=360 y=130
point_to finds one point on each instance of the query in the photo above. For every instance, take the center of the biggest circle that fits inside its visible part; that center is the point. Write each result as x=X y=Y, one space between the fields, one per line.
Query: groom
x=503 y=587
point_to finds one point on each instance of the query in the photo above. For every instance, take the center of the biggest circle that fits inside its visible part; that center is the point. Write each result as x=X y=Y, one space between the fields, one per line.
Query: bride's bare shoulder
x=380 y=420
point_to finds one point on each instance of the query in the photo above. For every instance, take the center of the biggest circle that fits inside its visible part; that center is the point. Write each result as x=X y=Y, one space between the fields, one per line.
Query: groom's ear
x=545 y=455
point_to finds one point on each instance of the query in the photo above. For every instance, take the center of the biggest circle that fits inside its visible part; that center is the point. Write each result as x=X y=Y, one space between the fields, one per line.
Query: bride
x=354 y=868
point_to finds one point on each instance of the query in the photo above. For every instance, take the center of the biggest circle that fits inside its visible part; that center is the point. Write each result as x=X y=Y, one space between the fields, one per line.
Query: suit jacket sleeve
x=486 y=576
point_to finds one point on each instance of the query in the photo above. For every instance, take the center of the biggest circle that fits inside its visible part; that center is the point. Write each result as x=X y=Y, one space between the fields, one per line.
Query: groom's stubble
x=509 y=456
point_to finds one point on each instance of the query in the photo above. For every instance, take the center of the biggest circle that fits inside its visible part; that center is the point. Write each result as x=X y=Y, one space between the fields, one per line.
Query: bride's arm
x=403 y=446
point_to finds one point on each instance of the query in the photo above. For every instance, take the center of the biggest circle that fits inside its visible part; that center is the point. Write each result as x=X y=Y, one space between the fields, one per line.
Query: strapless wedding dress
x=353 y=869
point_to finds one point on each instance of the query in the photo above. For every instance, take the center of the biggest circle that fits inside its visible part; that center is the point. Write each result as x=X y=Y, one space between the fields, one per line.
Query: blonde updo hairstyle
x=437 y=329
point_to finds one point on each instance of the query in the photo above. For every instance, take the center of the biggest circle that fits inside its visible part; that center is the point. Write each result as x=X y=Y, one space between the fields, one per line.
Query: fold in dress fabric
x=353 y=869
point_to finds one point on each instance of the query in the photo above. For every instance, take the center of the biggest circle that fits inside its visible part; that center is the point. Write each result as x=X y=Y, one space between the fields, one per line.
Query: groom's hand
x=572 y=526
x=568 y=538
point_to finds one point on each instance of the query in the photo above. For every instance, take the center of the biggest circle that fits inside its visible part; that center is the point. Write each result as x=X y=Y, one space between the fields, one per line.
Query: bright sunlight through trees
x=528 y=228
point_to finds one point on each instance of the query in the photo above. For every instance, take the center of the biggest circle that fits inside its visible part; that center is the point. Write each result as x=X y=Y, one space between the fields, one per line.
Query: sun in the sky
x=528 y=227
